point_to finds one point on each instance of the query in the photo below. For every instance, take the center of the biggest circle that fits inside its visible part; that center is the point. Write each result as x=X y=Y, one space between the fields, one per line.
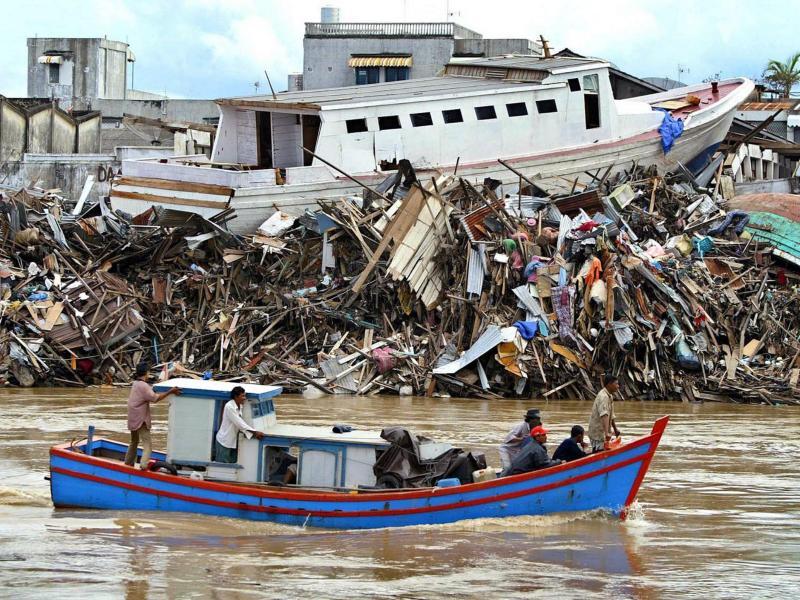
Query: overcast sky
x=216 y=48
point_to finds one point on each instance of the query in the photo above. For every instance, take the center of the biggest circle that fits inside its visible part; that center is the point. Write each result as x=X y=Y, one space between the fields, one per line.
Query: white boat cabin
x=323 y=458
x=478 y=110
x=475 y=112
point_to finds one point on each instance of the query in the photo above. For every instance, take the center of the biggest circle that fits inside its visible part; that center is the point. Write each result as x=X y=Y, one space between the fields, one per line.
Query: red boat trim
x=356 y=513
x=658 y=430
x=62 y=451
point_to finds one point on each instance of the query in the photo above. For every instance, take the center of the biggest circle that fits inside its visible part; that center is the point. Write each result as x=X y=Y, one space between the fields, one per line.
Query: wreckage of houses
x=546 y=116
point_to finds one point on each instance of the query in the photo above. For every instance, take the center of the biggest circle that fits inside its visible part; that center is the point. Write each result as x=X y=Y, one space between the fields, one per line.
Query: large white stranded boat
x=545 y=116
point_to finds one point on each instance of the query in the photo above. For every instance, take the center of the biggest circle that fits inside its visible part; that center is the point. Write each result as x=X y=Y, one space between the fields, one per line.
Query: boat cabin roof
x=218 y=389
x=324 y=434
x=461 y=79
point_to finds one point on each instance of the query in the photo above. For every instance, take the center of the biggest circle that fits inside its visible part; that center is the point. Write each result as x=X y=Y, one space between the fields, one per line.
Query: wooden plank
x=178 y=186
x=53 y=313
x=170 y=200
x=411 y=203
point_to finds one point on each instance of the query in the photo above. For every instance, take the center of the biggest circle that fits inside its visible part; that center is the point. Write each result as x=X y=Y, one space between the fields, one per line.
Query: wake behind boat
x=543 y=116
x=335 y=473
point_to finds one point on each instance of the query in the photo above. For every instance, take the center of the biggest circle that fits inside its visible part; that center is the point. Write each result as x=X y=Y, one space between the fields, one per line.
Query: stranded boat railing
x=90 y=474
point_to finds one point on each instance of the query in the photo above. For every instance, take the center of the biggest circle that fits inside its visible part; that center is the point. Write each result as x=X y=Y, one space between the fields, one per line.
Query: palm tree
x=784 y=74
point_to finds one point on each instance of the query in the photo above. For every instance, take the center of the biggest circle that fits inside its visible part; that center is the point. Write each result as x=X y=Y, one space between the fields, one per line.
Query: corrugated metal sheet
x=377 y=92
x=486 y=343
x=476 y=269
x=533 y=63
x=346 y=383
x=380 y=61
x=473 y=221
x=527 y=301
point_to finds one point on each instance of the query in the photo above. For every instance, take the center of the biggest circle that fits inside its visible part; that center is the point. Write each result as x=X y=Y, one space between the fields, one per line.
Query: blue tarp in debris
x=670 y=130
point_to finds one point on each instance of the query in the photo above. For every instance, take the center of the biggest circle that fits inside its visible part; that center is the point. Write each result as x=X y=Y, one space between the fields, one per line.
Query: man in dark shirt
x=573 y=447
x=533 y=456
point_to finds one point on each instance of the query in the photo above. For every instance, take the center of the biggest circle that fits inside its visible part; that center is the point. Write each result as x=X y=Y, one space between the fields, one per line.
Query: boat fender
x=160 y=466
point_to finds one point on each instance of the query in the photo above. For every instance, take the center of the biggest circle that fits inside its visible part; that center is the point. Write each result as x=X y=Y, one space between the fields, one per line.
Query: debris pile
x=428 y=287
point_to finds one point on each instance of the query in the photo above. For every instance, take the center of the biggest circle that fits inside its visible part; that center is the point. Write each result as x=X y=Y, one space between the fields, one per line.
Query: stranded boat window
x=574 y=85
x=485 y=112
x=421 y=119
x=591 y=84
x=517 y=109
x=391 y=122
x=546 y=106
x=356 y=125
x=452 y=116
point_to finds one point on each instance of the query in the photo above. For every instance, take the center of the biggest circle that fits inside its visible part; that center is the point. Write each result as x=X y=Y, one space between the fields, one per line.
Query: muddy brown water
x=718 y=515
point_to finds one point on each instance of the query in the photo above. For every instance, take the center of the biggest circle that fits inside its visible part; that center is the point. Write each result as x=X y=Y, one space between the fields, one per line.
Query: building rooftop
x=400 y=30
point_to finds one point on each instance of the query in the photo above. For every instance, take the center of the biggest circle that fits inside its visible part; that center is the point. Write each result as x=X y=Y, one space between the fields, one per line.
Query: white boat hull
x=703 y=132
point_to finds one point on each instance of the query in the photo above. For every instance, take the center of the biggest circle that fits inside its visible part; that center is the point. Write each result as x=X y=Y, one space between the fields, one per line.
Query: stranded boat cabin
x=550 y=116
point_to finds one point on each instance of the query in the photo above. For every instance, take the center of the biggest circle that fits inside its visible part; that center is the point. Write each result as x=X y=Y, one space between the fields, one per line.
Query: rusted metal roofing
x=773 y=106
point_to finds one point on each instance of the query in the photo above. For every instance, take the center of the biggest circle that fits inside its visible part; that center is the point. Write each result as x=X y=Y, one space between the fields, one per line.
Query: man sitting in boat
x=227 y=440
x=573 y=447
x=518 y=437
x=533 y=456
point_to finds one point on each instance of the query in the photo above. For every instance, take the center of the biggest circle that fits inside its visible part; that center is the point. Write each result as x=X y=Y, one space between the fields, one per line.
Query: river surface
x=718 y=515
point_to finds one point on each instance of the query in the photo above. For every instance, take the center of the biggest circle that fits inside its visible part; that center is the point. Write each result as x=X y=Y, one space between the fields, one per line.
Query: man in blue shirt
x=573 y=447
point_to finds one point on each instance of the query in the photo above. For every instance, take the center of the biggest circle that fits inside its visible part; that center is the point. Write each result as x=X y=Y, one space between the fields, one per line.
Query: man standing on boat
x=226 y=448
x=518 y=437
x=139 y=400
x=601 y=421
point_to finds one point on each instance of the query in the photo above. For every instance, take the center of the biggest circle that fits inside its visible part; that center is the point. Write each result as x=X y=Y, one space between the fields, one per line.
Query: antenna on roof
x=545 y=47
x=271 y=89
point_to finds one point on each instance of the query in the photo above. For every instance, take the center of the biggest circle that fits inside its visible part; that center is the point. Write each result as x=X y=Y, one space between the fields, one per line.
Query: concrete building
x=76 y=71
x=342 y=54
x=116 y=132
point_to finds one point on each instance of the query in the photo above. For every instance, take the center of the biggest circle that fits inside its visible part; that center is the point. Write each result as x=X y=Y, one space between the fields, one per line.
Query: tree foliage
x=784 y=75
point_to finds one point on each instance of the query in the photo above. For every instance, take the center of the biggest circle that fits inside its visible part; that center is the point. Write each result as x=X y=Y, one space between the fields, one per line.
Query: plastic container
x=451 y=482
x=484 y=475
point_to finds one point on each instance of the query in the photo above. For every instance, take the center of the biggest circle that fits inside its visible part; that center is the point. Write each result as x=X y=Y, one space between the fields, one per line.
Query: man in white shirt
x=227 y=440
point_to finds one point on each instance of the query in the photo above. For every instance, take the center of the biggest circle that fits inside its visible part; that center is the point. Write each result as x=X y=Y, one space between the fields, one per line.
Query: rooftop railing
x=390 y=29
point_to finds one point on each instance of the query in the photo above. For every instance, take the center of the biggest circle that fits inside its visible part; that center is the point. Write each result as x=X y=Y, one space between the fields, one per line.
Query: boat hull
x=704 y=131
x=609 y=481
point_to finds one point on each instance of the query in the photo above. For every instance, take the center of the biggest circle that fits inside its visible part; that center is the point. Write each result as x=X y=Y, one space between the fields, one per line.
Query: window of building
x=485 y=112
x=517 y=109
x=390 y=122
x=366 y=75
x=421 y=119
x=396 y=73
x=452 y=116
x=574 y=85
x=546 y=106
x=356 y=125
x=54 y=72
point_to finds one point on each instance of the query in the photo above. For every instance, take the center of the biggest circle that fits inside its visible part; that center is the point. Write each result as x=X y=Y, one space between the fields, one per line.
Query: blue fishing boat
x=334 y=473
